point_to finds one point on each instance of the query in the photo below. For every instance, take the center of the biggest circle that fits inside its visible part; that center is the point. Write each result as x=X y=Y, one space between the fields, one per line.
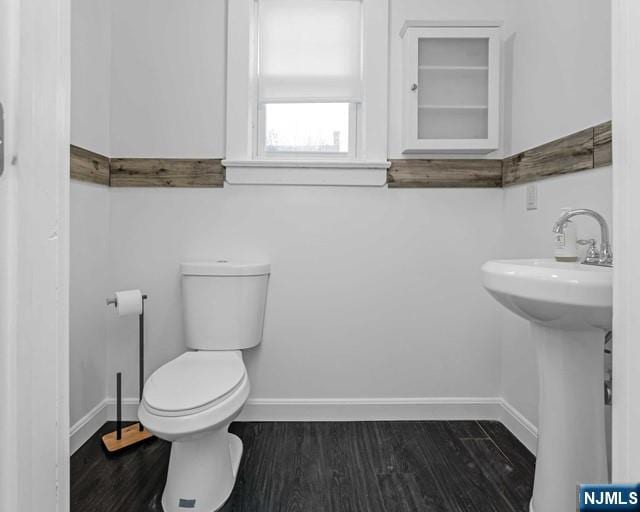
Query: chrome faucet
x=602 y=258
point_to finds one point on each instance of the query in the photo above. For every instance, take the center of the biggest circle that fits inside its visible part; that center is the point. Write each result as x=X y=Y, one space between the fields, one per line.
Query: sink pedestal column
x=571 y=432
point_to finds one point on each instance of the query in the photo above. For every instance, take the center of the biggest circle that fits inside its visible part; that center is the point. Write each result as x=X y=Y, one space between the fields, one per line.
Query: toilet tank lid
x=223 y=267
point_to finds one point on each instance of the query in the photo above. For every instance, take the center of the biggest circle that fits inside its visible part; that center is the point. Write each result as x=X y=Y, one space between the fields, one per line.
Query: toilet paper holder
x=133 y=434
x=114 y=301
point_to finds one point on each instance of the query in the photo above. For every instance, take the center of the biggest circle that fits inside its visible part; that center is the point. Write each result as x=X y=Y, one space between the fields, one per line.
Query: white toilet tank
x=223 y=304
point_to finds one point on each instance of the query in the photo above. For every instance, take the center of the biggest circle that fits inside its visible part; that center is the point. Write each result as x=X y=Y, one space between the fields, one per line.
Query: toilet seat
x=193 y=382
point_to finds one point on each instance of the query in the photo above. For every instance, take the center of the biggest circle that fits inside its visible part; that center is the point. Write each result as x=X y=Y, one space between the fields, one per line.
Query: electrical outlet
x=532 y=196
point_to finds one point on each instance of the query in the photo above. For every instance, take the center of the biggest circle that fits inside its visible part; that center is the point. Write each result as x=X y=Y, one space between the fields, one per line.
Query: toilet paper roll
x=129 y=302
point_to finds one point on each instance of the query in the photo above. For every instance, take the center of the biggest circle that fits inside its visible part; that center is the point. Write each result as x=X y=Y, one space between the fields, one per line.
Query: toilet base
x=202 y=472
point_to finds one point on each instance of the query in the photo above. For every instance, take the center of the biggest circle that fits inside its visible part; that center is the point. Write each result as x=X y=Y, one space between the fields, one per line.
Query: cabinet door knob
x=414 y=87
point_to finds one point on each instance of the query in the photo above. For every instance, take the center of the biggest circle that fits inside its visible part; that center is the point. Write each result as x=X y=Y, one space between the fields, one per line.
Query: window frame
x=245 y=165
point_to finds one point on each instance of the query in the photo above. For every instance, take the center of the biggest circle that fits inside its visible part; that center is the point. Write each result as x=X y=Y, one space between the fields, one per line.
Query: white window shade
x=310 y=50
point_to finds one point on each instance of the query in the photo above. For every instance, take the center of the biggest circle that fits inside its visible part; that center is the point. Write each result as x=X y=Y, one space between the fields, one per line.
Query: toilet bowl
x=191 y=400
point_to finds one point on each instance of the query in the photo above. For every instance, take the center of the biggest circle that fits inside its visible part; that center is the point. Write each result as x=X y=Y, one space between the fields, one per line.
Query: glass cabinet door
x=451 y=90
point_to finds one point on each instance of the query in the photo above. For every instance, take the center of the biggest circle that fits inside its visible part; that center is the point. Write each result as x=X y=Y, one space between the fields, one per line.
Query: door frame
x=626 y=213
x=34 y=256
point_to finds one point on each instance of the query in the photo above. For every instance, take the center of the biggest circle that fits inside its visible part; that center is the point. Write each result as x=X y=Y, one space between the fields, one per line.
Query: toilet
x=191 y=400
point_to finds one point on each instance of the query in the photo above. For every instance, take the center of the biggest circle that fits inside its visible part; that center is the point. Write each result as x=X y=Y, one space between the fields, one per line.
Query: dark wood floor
x=437 y=466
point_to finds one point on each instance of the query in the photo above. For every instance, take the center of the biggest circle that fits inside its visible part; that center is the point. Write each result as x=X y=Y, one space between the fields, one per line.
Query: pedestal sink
x=569 y=307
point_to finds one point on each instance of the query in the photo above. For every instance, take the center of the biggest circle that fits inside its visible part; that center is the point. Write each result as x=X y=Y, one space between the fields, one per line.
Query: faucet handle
x=606 y=256
x=593 y=256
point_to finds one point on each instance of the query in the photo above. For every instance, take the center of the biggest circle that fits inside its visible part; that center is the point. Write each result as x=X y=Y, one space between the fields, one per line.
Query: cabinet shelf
x=453 y=68
x=453 y=107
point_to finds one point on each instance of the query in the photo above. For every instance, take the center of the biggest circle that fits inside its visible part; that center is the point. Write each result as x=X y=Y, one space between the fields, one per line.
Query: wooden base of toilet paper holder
x=129 y=436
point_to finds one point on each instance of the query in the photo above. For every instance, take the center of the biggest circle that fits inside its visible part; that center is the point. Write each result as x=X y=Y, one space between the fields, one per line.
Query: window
x=307 y=92
x=309 y=77
x=308 y=128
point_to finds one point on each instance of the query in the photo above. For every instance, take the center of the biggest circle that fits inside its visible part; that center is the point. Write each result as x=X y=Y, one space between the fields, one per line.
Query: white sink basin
x=567 y=296
x=569 y=307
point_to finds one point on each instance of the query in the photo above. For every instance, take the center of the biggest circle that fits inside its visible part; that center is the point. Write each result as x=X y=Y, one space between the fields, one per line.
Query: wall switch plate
x=532 y=196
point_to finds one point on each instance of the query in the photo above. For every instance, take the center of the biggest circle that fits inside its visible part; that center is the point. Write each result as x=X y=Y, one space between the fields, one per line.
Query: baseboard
x=370 y=409
x=105 y=411
x=519 y=426
x=86 y=426
x=340 y=409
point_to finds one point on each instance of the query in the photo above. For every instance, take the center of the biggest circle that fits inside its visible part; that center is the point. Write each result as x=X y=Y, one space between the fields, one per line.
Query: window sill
x=354 y=173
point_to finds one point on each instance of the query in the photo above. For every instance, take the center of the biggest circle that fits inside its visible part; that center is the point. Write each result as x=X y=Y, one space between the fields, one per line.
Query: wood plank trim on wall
x=415 y=173
x=602 y=151
x=568 y=154
x=166 y=172
x=145 y=172
x=586 y=149
x=88 y=166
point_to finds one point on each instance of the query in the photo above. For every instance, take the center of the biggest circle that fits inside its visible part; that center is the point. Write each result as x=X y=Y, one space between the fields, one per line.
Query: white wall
x=558 y=78
x=89 y=204
x=90 y=74
x=89 y=286
x=168 y=78
x=558 y=69
x=359 y=303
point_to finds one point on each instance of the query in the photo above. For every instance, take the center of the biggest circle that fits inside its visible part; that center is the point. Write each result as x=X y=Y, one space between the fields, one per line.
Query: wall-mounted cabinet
x=451 y=88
